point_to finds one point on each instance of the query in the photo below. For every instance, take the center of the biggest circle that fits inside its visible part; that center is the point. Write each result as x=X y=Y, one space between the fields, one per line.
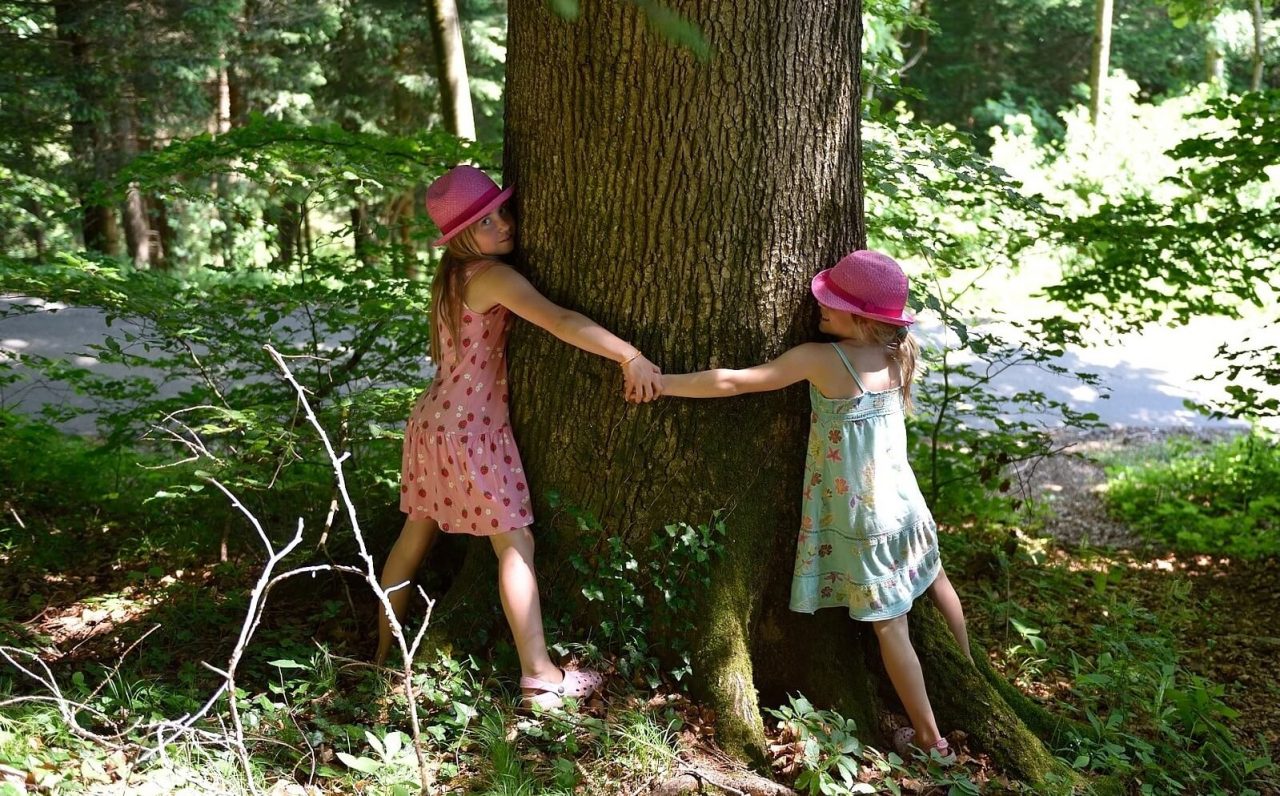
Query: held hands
x=642 y=380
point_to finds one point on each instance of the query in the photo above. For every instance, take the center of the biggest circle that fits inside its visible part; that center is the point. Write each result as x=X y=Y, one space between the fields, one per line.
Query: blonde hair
x=900 y=344
x=446 y=288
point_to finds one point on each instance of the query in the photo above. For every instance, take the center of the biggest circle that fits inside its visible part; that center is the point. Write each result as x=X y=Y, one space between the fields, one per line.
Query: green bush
x=1223 y=498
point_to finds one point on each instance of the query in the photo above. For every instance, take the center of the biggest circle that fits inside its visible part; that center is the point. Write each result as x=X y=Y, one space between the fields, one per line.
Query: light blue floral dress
x=867 y=540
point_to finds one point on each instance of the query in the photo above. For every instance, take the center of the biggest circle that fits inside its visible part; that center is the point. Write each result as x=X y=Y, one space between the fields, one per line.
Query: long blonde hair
x=446 y=288
x=900 y=344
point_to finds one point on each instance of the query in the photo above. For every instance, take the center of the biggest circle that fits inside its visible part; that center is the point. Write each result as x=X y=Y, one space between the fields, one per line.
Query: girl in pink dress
x=461 y=470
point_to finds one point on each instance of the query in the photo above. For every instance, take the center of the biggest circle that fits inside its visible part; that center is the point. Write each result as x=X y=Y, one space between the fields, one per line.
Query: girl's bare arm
x=501 y=284
x=795 y=365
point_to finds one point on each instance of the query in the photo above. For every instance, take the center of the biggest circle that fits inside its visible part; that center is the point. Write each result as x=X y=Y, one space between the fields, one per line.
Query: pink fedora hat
x=865 y=283
x=460 y=197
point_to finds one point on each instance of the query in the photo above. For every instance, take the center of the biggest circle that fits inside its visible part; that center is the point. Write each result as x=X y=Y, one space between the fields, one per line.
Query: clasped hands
x=641 y=380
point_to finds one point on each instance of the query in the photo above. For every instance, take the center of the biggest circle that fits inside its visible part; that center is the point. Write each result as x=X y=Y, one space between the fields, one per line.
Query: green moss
x=723 y=672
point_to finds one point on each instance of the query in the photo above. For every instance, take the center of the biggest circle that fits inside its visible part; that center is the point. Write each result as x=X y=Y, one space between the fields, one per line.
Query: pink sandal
x=579 y=683
x=904 y=744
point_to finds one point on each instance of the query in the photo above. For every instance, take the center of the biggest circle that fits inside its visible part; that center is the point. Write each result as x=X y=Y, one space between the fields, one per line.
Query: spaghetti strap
x=849 y=367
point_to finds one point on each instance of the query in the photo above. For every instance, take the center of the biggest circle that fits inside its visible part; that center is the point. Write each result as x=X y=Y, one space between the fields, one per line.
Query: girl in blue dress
x=867 y=541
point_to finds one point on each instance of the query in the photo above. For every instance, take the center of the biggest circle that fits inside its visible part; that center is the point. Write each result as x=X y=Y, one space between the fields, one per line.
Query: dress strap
x=848 y=367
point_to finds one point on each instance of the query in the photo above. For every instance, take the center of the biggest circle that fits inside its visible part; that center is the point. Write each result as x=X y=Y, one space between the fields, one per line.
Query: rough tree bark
x=686 y=205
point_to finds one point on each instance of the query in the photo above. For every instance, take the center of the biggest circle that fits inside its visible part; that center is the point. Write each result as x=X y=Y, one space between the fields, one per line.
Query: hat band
x=865 y=306
x=475 y=207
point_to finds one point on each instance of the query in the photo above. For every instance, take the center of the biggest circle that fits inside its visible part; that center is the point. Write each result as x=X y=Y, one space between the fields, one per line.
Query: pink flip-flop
x=904 y=744
x=577 y=683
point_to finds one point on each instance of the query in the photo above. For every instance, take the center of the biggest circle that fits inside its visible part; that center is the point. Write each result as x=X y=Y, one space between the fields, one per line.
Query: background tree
x=1101 y=57
x=990 y=59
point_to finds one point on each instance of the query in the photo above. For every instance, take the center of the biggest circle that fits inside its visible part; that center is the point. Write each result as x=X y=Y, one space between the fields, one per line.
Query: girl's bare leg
x=406 y=555
x=518 y=586
x=908 y=680
x=944 y=596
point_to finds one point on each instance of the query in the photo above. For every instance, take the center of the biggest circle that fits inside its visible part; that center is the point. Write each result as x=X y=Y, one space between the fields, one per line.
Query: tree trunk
x=286 y=217
x=1215 y=67
x=685 y=206
x=35 y=230
x=137 y=229
x=1101 y=59
x=361 y=234
x=1255 y=79
x=158 y=213
x=222 y=182
x=398 y=212
x=89 y=152
x=451 y=68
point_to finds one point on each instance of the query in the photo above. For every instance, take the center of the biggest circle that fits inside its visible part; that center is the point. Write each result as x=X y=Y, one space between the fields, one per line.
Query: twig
x=257 y=526
x=65 y=706
x=115 y=669
x=371 y=572
x=204 y=373
x=233 y=738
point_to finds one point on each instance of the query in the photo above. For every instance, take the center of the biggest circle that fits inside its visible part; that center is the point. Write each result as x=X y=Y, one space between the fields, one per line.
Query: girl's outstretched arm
x=798 y=364
x=501 y=284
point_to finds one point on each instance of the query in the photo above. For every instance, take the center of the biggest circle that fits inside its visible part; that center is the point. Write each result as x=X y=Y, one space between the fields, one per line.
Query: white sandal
x=578 y=683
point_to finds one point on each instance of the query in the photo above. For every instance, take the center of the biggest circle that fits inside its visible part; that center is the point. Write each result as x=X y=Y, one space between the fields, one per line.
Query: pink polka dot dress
x=460 y=465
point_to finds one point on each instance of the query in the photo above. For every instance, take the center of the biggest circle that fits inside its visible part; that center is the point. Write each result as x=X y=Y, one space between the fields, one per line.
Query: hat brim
x=476 y=216
x=821 y=289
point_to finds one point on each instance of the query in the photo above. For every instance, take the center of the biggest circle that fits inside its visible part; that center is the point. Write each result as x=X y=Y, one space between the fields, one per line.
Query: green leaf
x=676 y=28
x=362 y=764
x=284 y=663
x=393 y=743
x=463 y=712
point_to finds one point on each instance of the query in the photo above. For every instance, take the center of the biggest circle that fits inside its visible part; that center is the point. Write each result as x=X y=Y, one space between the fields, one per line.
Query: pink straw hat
x=865 y=283
x=460 y=197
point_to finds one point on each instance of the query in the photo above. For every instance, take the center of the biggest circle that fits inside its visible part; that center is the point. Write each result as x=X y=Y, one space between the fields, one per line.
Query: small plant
x=638 y=601
x=1149 y=718
x=394 y=768
x=1029 y=653
x=830 y=753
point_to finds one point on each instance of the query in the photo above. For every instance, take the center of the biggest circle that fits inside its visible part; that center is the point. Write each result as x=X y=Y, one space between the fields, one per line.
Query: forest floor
x=1095 y=587
x=1232 y=636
